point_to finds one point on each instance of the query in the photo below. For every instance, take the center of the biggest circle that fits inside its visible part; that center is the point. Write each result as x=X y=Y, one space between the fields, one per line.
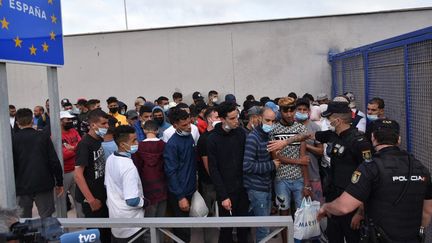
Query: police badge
x=355 y=177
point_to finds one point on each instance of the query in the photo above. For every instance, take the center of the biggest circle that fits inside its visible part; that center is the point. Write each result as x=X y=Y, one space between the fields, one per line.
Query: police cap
x=386 y=124
x=336 y=107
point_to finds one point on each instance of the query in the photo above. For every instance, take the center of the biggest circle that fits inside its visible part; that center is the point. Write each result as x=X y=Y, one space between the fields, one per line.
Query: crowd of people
x=261 y=159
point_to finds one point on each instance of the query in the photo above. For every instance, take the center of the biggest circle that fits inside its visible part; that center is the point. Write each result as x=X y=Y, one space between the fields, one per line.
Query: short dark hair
x=378 y=101
x=264 y=100
x=209 y=111
x=112 y=123
x=177 y=95
x=386 y=136
x=345 y=117
x=292 y=95
x=161 y=98
x=111 y=99
x=250 y=97
x=151 y=125
x=309 y=97
x=177 y=114
x=200 y=105
x=92 y=102
x=224 y=108
x=212 y=92
x=24 y=116
x=95 y=115
x=12 y=107
x=121 y=133
x=182 y=105
x=145 y=108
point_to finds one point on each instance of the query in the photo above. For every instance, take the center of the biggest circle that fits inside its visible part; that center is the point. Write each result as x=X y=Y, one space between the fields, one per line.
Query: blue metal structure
x=399 y=70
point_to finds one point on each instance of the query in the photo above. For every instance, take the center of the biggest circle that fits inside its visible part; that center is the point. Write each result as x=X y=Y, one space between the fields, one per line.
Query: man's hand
x=356 y=220
x=184 y=204
x=304 y=160
x=322 y=213
x=95 y=204
x=277 y=163
x=227 y=204
x=59 y=190
x=276 y=145
x=307 y=191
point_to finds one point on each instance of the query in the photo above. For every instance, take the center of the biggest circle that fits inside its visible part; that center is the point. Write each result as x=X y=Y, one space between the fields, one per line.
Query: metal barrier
x=161 y=224
x=398 y=70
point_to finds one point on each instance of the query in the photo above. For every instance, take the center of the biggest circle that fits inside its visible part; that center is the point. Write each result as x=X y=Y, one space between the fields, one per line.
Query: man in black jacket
x=225 y=148
x=37 y=167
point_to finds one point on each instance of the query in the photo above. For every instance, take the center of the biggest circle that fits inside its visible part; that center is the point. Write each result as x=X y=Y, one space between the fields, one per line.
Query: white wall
x=269 y=58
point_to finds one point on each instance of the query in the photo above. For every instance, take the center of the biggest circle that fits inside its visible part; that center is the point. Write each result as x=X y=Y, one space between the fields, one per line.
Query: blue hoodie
x=164 y=125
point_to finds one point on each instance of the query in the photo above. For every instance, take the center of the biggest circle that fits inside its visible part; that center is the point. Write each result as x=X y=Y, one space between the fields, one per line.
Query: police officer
x=395 y=188
x=347 y=149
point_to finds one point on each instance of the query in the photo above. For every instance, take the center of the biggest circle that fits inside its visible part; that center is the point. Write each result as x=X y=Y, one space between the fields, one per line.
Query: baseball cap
x=131 y=114
x=336 y=107
x=81 y=101
x=64 y=101
x=230 y=98
x=197 y=96
x=66 y=114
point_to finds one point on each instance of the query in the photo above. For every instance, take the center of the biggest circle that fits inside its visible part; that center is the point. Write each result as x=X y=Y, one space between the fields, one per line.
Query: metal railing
x=277 y=223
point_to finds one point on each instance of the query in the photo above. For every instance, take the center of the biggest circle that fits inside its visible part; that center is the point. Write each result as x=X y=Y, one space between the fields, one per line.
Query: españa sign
x=31 y=32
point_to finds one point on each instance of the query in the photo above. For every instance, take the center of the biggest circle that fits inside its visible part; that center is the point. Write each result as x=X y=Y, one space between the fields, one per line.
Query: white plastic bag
x=306 y=225
x=198 y=206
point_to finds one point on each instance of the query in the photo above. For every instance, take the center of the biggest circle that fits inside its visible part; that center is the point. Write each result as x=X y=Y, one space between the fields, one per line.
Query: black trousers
x=183 y=233
x=105 y=233
x=240 y=207
x=339 y=228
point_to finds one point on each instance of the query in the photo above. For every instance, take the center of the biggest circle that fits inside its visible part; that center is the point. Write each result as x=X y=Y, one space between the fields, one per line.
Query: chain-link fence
x=398 y=70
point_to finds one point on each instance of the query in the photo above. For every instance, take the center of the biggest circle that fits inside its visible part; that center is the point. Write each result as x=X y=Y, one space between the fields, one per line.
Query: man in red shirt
x=70 y=140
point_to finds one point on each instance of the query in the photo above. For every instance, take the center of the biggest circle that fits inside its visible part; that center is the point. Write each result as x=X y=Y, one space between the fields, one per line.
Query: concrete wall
x=268 y=58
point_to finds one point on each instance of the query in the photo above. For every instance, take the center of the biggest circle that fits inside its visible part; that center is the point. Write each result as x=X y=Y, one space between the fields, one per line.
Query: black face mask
x=68 y=126
x=113 y=110
x=159 y=120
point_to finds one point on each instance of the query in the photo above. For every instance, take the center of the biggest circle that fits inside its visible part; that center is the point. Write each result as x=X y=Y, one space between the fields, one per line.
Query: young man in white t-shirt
x=123 y=185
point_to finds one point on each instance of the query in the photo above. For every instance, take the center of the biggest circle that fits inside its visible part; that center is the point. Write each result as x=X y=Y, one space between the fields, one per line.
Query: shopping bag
x=306 y=225
x=198 y=206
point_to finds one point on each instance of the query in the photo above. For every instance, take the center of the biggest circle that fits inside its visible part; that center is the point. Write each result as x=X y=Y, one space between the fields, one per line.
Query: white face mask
x=215 y=99
x=214 y=123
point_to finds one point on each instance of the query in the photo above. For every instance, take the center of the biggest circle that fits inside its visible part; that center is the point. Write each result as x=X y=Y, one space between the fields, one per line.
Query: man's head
x=125 y=138
x=250 y=98
x=292 y=95
x=163 y=102
x=47 y=106
x=177 y=97
x=200 y=108
x=81 y=105
x=229 y=115
x=12 y=111
x=184 y=107
x=139 y=102
x=151 y=127
x=385 y=132
x=196 y=96
x=287 y=109
x=145 y=113
x=338 y=114
x=93 y=104
x=66 y=120
x=180 y=120
x=211 y=116
x=268 y=117
x=322 y=98
x=158 y=116
x=230 y=98
x=213 y=97
x=309 y=97
x=254 y=116
x=38 y=111
x=24 y=117
x=131 y=117
x=113 y=105
x=67 y=106
x=375 y=109
x=302 y=109
x=98 y=122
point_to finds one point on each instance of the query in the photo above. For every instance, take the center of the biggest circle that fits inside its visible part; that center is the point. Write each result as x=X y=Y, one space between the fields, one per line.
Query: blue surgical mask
x=372 y=117
x=101 y=132
x=133 y=149
x=301 y=116
x=267 y=128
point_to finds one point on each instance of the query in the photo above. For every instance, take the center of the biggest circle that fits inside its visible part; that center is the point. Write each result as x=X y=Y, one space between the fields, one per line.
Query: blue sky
x=84 y=16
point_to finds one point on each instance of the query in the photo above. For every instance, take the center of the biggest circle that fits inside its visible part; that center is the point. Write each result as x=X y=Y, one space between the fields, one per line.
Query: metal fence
x=277 y=223
x=398 y=70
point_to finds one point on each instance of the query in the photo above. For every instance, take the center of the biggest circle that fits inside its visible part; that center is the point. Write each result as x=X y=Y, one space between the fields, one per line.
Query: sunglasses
x=287 y=108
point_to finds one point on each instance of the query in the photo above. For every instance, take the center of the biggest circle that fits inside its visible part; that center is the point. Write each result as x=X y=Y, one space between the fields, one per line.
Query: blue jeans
x=284 y=188
x=260 y=202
